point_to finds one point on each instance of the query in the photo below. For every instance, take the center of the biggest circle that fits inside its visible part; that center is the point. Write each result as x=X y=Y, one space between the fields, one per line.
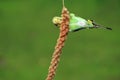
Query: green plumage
x=77 y=23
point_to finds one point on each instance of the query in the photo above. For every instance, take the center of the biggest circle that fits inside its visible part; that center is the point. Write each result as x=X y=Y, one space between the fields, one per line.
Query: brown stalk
x=64 y=29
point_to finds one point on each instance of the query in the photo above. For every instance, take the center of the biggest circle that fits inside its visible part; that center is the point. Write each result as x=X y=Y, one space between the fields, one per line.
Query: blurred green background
x=28 y=37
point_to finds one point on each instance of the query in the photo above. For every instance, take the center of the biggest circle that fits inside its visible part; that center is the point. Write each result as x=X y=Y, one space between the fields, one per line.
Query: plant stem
x=64 y=29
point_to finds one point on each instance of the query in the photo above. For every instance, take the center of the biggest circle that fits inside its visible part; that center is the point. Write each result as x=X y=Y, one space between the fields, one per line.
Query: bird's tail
x=99 y=26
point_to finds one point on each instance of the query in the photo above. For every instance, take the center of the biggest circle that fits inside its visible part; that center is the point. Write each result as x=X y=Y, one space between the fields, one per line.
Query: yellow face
x=57 y=20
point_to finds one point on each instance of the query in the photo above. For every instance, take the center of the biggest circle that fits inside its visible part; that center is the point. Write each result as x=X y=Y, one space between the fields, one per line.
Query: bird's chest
x=74 y=25
x=81 y=23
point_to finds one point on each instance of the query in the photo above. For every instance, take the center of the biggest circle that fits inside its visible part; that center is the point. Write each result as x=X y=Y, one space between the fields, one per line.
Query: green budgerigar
x=78 y=23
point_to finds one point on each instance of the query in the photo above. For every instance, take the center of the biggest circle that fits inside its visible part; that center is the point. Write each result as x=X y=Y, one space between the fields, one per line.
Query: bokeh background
x=28 y=37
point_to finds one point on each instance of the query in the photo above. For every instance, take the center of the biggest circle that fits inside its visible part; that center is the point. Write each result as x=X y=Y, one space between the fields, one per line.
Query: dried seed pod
x=64 y=29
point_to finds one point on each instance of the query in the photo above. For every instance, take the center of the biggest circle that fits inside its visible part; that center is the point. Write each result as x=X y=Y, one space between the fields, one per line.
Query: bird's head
x=57 y=21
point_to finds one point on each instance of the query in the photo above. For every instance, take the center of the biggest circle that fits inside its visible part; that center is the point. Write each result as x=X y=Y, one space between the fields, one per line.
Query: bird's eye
x=56 y=24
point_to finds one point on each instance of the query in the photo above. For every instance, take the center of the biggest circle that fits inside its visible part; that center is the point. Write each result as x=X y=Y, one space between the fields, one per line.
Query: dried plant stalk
x=64 y=28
